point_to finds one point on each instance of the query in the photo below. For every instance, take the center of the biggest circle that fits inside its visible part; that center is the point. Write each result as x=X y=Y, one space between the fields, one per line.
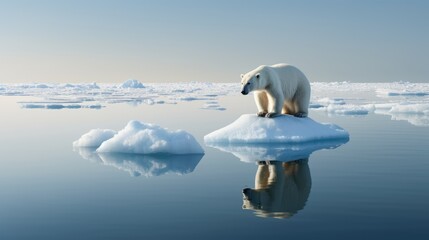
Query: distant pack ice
x=250 y=128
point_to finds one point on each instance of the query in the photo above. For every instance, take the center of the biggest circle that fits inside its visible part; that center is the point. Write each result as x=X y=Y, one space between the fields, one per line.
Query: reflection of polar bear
x=279 y=88
x=281 y=189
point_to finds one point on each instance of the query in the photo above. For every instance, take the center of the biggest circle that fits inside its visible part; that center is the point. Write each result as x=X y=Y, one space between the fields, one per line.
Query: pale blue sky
x=214 y=41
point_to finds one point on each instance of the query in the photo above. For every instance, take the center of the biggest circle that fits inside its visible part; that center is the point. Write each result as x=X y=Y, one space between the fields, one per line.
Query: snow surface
x=141 y=138
x=144 y=165
x=250 y=128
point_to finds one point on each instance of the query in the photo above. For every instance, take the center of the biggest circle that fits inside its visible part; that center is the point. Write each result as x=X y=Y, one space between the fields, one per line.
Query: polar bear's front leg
x=276 y=100
x=261 y=100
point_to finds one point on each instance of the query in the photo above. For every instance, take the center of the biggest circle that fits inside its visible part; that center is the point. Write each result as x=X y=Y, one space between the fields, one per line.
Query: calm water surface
x=373 y=187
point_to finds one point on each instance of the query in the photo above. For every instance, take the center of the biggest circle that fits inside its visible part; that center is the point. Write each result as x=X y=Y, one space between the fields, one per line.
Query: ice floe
x=250 y=128
x=141 y=138
x=60 y=106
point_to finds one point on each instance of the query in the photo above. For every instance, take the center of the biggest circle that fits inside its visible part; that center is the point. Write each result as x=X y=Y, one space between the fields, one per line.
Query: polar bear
x=280 y=88
x=281 y=188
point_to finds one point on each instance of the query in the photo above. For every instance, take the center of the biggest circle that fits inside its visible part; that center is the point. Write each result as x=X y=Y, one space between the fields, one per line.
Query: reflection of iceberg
x=278 y=151
x=146 y=165
x=88 y=153
x=281 y=189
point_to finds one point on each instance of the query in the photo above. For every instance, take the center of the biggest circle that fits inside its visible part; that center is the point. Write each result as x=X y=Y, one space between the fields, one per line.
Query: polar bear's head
x=256 y=79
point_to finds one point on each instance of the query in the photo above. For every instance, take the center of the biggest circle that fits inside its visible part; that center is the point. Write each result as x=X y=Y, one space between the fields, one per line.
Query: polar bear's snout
x=245 y=89
x=247 y=193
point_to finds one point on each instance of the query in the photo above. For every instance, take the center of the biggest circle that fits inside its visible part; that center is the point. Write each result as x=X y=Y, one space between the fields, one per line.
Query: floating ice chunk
x=33 y=105
x=250 y=128
x=415 y=113
x=347 y=109
x=415 y=108
x=402 y=108
x=414 y=119
x=143 y=138
x=401 y=92
x=33 y=85
x=131 y=83
x=57 y=106
x=94 y=138
x=315 y=105
x=277 y=151
x=336 y=101
x=82 y=86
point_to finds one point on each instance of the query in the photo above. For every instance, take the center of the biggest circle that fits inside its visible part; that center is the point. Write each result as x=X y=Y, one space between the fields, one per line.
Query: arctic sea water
x=372 y=187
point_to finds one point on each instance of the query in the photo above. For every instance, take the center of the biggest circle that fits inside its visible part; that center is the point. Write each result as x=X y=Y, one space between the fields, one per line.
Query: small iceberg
x=250 y=128
x=140 y=138
x=131 y=83
x=94 y=138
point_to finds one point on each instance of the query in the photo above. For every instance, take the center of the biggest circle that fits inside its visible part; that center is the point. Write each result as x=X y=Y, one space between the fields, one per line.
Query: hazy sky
x=214 y=41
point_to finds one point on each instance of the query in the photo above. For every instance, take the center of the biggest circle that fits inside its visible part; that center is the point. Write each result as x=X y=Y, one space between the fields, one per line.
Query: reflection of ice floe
x=141 y=138
x=277 y=151
x=283 y=129
x=146 y=165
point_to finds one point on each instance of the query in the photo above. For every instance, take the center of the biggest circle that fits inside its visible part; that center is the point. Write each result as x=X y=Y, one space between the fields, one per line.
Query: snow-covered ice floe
x=285 y=138
x=140 y=138
x=144 y=165
x=249 y=128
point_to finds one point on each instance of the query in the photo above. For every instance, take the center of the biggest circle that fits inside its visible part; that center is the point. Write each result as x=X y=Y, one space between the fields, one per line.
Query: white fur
x=280 y=88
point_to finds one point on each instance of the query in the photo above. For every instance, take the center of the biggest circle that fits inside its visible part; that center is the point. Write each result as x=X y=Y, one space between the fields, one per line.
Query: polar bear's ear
x=241 y=75
x=257 y=75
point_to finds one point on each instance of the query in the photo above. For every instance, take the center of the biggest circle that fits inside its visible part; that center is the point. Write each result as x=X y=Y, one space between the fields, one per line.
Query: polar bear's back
x=288 y=71
x=291 y=79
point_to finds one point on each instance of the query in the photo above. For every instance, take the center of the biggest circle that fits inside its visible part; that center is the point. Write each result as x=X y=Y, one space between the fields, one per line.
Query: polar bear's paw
x=261 y=114
x=301 y=115
x=272 y=115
